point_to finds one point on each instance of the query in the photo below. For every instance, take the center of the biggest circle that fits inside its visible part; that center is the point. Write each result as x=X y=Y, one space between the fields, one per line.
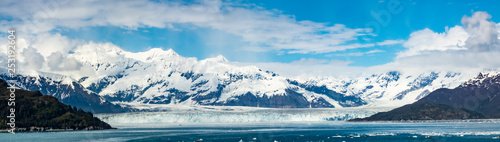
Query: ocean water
x=281 y=132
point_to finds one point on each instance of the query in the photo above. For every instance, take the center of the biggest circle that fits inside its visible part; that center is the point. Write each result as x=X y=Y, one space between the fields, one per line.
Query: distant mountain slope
x=38 y=112
x=474 y=99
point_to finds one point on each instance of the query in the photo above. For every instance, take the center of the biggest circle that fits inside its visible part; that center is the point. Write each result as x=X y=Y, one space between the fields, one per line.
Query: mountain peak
x=153 y=54
x=100 y=49
x=218 y=59
x=94 y=53
x=478 y=80
x=221 y=59
x=161 y=52
x=170 y=51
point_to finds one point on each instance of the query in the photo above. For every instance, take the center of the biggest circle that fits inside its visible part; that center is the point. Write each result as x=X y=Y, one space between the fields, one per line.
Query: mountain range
x=122 y=81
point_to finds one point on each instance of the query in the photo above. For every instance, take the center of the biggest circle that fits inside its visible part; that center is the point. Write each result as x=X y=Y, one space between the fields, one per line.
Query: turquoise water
x=285 y=132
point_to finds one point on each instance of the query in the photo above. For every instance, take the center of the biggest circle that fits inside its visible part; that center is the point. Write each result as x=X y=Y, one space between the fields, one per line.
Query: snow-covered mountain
x=477 y=98
x=159 y=77
x=164 y=77
x=393 y=89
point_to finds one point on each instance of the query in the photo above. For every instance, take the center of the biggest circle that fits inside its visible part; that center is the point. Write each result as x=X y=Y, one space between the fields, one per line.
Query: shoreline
x=45 y=129
x=291 y=123
x=428 y=121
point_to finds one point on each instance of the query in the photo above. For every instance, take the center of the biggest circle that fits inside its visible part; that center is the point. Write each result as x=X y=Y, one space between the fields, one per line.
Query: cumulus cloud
x=259 y=27
x=454 y=61
x=58 y=62
x=33 y=59
x=44 y=52
x=477 y=34
x=473 y=46
x=483 y=34
x=427 y=40
x=467 y=48
x=498 y=29
x=49 y=43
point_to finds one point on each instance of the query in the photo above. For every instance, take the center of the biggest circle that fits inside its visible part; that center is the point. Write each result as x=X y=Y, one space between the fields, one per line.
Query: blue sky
x=324 y=32
x=198 y=42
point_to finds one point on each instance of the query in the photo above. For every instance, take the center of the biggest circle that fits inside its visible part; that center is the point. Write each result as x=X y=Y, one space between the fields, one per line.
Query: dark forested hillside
x=35 y=111
x=72 y=94
x=423 y=111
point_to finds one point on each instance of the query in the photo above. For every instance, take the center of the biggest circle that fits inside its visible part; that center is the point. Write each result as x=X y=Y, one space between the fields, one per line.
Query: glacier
x=236 y=114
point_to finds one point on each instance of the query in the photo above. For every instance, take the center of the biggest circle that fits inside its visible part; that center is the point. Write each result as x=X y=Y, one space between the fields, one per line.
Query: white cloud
x=309 y=61
x=428 y=40
x=390 y=42
x=361 y=53
x=475 y=46
x=50 y=43
x=498 y=29
x=58 y=62
x=477 y=34
x=483 y=34
x=333 y=68
x=44 y=52
x=254 y=24
x=458 y=49
x=313 y=61
x=33 y=59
